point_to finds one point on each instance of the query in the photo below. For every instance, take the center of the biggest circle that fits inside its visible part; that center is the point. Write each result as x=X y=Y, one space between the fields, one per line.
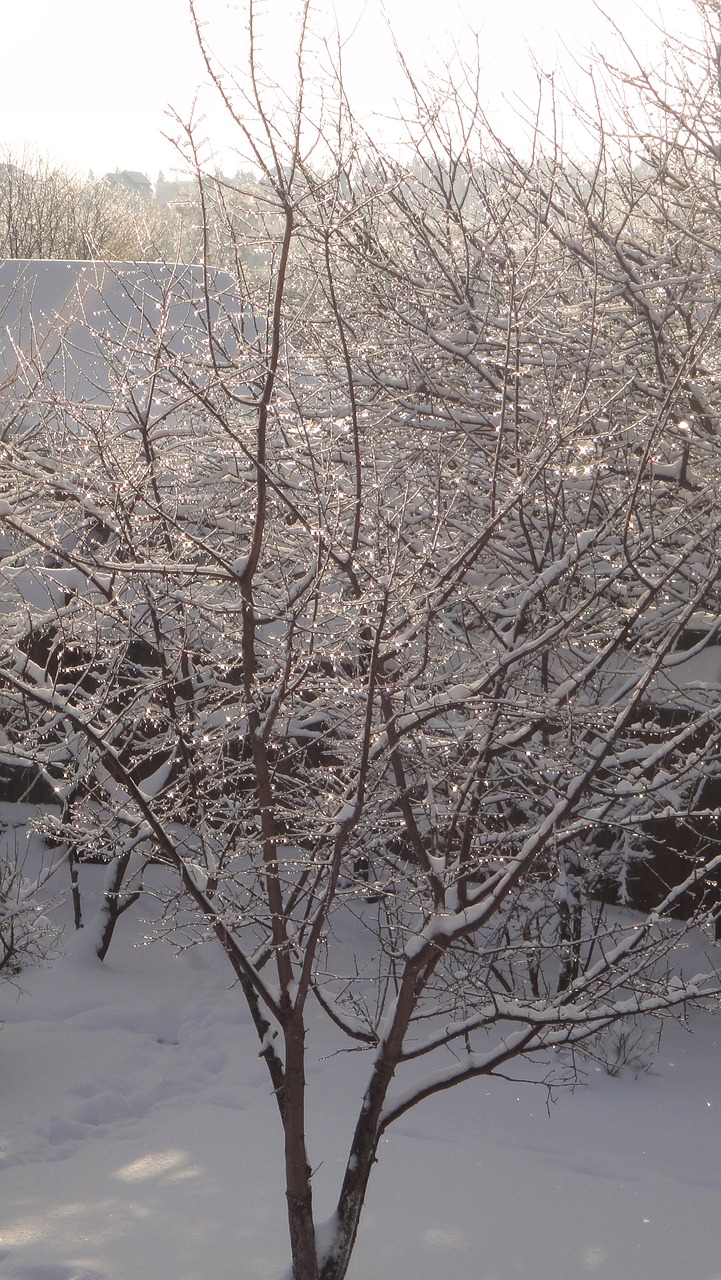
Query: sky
x=89 y=85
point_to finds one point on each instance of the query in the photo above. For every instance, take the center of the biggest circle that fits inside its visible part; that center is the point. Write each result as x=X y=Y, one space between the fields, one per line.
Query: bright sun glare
x=89 y=85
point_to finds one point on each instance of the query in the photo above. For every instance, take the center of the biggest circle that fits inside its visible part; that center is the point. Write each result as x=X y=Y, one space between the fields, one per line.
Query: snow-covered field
x=139 y=1141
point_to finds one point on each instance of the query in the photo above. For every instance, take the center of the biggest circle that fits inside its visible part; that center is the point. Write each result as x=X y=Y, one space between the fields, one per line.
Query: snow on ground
x=139 y=1141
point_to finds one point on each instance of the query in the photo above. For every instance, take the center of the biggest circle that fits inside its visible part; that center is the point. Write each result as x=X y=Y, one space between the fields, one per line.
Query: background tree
x=48 y=212
x=375 y=632
x=26 y=934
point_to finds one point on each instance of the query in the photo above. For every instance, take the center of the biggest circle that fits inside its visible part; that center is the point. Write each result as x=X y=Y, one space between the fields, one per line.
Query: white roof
x=83 y=329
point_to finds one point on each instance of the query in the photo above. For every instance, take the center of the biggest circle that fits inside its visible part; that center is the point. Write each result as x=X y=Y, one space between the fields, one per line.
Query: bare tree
x=374 y=627
x=26 y=935
x=48 y=212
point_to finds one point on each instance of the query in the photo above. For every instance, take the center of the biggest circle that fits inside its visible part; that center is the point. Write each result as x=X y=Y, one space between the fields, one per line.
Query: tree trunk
x=75 y=889
x=335 y=1265
x=299 y=1193
x=111 y=909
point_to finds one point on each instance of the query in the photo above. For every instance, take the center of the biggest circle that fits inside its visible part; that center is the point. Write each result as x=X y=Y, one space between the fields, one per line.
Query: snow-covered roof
x=84 y=328
x=130 y=180
x=689 y=681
